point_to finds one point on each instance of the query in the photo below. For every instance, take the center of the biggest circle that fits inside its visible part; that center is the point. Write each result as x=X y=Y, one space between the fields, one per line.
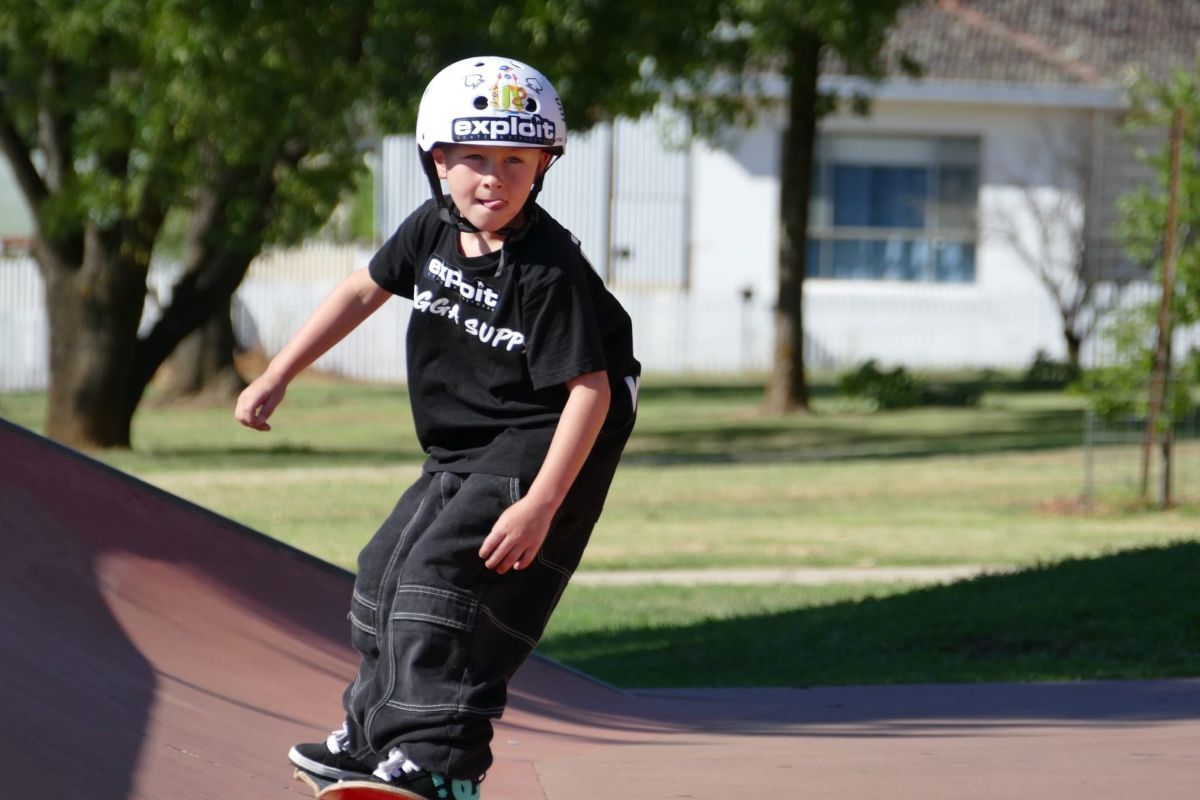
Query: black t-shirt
x=492 y=342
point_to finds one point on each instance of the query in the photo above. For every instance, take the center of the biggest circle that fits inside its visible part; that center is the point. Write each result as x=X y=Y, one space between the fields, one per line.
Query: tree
x=243 y=120
x=1051 y=229
x=1144 y=212
x=116 y=114
x=1175 y=213
x=724 y=84
x=240 y=123
x=1159 y=227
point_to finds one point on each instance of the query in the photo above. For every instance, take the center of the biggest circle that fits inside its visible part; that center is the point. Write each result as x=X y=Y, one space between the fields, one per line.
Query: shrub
x=964 y=394
x=1047 y=373
x=896 y=388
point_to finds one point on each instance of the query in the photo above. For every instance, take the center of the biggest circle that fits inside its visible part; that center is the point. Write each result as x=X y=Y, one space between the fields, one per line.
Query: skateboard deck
x=324 y=789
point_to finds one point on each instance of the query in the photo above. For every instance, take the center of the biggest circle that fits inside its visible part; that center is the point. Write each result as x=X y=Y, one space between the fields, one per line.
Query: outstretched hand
x=258 y=401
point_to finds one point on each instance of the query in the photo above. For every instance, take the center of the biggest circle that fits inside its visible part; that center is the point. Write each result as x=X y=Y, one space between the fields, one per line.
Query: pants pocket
x=431 y=630
x=363 y=624
x=443 y=607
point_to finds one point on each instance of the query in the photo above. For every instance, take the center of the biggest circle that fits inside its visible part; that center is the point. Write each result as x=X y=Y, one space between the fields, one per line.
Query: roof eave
x=977 y=92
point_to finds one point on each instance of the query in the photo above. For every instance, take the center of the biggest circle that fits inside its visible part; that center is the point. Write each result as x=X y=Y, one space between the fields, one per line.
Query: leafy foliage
x=1121 y=388
x=1046 y=372
x=1144 y=211
x=136 y=105
x=895 y=388
x=899 y=388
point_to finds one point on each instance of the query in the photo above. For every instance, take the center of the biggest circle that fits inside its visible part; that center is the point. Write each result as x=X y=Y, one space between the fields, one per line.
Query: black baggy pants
x=438 y=633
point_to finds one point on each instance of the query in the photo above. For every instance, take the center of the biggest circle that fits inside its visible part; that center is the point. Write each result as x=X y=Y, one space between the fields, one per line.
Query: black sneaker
x=330 y=759
x=398 y=772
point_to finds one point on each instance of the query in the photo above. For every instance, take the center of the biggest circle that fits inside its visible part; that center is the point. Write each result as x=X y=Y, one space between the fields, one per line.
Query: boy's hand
x=258 y=400
x=517 y=536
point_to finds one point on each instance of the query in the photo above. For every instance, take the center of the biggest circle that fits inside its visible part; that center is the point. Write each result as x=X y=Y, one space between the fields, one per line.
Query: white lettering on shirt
x=477 y=293
x=490 y=334
x=441 y=307
x=484 y=332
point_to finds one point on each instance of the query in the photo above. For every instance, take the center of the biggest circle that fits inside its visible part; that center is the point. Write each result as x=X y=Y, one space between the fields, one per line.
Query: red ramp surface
x=151 y=649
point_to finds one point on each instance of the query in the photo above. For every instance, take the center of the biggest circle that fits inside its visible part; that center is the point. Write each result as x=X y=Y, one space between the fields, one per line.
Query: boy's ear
x=439 y=161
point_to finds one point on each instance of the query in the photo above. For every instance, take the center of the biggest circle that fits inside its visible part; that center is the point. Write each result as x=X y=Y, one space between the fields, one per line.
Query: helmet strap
x=446 y=210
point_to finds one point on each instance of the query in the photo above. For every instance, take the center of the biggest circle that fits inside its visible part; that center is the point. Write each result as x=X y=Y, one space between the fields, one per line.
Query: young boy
x=523 y=387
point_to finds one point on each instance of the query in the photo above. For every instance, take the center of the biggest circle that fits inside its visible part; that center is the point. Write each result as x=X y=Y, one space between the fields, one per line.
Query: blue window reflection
x=916 y=260
x=879 y=197
x=895 y=209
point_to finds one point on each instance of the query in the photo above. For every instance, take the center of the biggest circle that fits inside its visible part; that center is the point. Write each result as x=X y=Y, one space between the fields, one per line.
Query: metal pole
x=1089 y=423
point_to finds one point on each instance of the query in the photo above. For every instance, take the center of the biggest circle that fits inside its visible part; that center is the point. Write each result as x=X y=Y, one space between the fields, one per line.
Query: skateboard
x=324 y=789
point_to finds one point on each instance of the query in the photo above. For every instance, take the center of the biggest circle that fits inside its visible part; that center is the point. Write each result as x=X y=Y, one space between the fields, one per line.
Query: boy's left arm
x=518 y=534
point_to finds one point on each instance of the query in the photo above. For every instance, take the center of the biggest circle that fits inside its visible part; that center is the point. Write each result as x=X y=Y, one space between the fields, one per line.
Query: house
x=930 y=218
x=16 y=221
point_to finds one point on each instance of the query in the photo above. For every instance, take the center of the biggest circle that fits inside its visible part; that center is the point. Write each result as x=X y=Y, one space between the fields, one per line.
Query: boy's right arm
x=351 y=302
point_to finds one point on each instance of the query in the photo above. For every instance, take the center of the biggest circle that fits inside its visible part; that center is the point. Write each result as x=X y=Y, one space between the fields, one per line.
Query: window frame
x=940 y=240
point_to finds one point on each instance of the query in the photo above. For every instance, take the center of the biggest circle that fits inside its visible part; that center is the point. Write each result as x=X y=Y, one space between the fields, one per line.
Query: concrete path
x=150 y=649
x=818 y=576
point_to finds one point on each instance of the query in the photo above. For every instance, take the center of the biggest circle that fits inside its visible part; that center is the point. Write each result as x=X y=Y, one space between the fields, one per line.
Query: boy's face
x=489 y=185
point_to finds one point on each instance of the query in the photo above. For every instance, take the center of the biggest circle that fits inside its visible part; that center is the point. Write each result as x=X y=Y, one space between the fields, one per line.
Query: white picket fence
x=675 y=331
x=283 y=287
x=24 y=341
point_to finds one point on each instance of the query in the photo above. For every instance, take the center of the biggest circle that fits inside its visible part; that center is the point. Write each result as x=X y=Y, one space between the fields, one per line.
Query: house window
x=894 y=208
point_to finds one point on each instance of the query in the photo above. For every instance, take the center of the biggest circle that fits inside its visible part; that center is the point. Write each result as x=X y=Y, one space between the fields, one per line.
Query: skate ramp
x=151 y=649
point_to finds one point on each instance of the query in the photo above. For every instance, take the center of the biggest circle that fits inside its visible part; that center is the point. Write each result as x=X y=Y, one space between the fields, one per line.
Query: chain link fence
x=1116 y=463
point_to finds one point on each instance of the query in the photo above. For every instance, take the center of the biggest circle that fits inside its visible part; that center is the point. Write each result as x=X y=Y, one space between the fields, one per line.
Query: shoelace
x=395 y=766
x=337 y=741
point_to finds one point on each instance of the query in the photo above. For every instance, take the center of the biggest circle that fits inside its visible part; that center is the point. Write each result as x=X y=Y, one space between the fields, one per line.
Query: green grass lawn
x=1129 y=614
x=709 y=481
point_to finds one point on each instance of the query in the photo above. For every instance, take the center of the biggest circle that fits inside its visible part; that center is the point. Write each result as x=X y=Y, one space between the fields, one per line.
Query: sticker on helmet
x=508 y=97
x=534 y=130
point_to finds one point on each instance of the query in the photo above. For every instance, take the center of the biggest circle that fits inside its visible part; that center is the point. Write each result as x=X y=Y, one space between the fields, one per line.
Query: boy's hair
x=488 y=101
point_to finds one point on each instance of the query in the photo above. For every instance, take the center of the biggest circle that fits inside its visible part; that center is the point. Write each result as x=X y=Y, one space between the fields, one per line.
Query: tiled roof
x=1048 y=42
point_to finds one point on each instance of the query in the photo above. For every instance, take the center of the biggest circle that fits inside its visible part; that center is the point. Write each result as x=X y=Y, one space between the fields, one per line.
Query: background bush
x=899 y=388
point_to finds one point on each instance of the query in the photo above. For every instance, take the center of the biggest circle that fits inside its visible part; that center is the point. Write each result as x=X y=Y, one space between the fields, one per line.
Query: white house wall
x=1000 y=320
x=16 y=222
x=735 y=221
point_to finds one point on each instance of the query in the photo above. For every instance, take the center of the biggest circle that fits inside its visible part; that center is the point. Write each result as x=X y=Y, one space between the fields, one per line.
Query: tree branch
x=54 y=138
x=50 y=253
x=212 y=272
x=19 y=155
x=360 y=28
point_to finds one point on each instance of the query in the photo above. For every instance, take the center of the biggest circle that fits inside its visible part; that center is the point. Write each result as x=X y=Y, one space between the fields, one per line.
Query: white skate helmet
x=493 y=101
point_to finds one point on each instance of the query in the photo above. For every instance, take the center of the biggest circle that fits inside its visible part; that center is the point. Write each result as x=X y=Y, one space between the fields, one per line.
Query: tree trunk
x=203 y=363
x=788 y=389
x=1074 y=346
x=94 y=310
